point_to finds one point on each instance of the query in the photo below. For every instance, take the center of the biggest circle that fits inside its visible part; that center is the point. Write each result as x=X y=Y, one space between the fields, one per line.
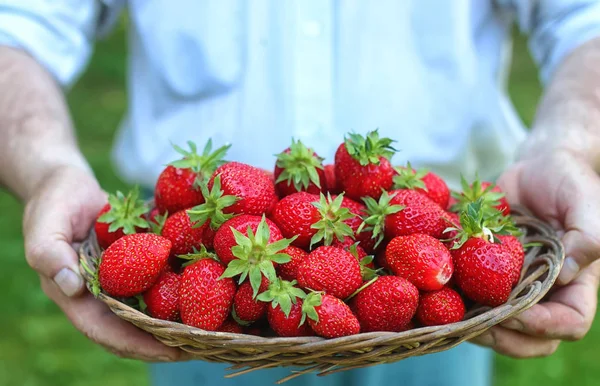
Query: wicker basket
x=326 y=356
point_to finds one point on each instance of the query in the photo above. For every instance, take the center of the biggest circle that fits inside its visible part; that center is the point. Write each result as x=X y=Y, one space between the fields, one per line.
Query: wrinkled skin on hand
x=564 y=190
x=57 y=217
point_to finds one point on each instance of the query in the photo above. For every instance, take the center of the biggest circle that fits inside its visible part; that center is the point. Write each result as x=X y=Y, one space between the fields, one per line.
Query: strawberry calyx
x=282 y=293
x=332 y=223
x=237 y=319
x=409 y=178
x=198 y=255
x=312 y=300
x=126 y=212
x=212 y=207
x=158 y=222
x=141 y=304
x=367 y=150
x=203 y=164
x=376 y=214
x=473 y=192
x=299 y=166
x=480 y=221
x=255 y=256
x=366 y=272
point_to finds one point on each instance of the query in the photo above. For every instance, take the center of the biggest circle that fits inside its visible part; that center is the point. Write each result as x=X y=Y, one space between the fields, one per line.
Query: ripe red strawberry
x=253 y=254
x=484 y=271
x=365 y=237
x=440 y=307
x=332 y=184
x=285 y=311
x=231 y=326
x=289 y=271
x=205 y=298
x=123 y=215
x=491 y=195
x=246 y=308
x=184 y=237
x=403 y=212
x=421 y=259
x=312 y=219
x=133 y=263
x=328 y=316
x=362 y=165
x=225 y=240
x=332 y=270
x=388 y=304
x=452 y=221
x=514 y=246
x=162 y=299
x=177 y=187
x=423 y=181
x=299 y=169
x=254 y=190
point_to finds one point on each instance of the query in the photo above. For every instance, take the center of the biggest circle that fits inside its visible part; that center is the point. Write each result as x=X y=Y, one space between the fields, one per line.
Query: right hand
x=58 y=215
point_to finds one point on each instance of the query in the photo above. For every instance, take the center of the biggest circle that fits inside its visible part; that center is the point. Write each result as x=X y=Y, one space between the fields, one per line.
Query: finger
x=581 y=249
x=99 y=324
x=569 y=313
x=516 y=344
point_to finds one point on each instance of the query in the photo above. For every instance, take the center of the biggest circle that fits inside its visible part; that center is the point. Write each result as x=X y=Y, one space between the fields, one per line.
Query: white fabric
x=429 y=73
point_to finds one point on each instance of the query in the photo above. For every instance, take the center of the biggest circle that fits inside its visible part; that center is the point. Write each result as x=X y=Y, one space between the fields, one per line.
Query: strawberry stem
x=362 y=287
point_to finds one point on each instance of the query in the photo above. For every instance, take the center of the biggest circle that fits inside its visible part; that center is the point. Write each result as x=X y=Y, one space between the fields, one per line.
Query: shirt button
x=311 y=28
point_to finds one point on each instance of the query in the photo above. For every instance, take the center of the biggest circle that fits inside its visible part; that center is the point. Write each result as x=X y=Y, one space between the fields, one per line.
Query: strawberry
x=452 y=221
x=299 y=169
x=332 y=183
x=123 y=215
x=205 y=297
x=440 y=307
x=177 y=187
x=253 y=255
x=312 y=218
x=403 y=212
x=179 y=229
x=328 y=316
x=285 y=311
x=423 y=181
x=362 y=165
x=515 y=248
x=365 y=237
x=388 y=304
x=421 y=259
x=289 y=270
x=225 y=240
x=483 y=268
x=246 y=309
x=132 y=264
x=162 y=299
x=231 y=326
x=332 y=270
x=491 y=194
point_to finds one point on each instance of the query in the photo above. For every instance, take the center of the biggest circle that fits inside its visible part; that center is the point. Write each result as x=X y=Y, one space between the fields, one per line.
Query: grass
x=39 y=347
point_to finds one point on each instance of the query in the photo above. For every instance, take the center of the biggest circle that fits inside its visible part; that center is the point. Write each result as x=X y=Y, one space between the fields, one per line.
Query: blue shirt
x=429 y=73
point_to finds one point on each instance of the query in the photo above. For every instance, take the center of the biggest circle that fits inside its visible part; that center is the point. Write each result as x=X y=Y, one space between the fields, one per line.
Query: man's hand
x=563 y=189
x=57 y=216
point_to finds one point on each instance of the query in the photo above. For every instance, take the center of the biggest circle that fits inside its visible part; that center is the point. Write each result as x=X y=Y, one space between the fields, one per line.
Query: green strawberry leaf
x=376 y=215
x=126 y=212
x=282 y=293
x=212 y=207
x=367 y=150
x=408 y=178
x=299 y=166
x=203 y=164
x=332 y=223
x=312 y=300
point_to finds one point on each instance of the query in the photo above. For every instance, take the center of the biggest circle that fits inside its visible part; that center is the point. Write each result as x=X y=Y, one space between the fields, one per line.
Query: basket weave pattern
x=314 y=354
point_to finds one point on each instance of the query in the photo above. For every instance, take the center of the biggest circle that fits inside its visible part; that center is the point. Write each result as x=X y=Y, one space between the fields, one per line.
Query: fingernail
x=68 y=281
x=486 y=339
x=514 y=324
x=569 y=271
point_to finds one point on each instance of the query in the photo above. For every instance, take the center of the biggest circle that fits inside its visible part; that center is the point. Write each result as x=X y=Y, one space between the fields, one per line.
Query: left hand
x=563 y=189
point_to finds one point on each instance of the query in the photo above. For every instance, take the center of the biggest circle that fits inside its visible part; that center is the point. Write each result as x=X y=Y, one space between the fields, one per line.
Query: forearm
x=568 y=116
x=36 y=133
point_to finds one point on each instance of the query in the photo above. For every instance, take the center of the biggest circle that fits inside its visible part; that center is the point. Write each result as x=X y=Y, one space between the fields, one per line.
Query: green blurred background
x=39 y=347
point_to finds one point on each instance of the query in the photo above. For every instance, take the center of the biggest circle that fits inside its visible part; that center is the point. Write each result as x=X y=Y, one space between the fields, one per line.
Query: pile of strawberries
x=331 y=250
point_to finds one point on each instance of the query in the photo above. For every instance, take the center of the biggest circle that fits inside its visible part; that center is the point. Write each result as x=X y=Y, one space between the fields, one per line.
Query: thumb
x=581 y=249
x=48 y=236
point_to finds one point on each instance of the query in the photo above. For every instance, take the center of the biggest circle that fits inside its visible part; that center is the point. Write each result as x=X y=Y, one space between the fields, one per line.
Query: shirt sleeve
x=555 y=28
x=58 y=34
